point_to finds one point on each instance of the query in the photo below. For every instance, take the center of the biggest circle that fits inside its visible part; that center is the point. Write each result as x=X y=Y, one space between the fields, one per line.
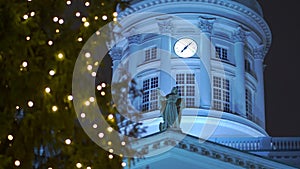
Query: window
x=221 y=53
x=221 y=94
x=186 y=88
x=150 y=53
x=150 y=95
x=249 y=104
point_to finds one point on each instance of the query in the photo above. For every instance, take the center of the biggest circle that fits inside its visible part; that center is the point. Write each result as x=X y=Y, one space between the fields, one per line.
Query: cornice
x=231 y=5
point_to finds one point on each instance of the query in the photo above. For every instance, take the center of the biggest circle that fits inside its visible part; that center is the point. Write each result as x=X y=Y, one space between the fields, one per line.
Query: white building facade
x=213 y=52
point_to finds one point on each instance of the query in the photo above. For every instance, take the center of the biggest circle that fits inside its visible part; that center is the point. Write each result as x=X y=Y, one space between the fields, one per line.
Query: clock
x=185 y=47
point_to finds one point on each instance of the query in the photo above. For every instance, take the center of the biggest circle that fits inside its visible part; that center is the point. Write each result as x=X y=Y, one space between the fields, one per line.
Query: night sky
x=282 y=82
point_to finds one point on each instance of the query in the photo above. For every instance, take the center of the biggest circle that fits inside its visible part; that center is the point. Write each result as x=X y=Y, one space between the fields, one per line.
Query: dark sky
x=282 y=79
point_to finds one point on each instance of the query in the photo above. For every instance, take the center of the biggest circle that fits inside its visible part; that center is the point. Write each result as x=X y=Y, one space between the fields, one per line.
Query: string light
x=32 y=13
x=87 y=103
x=115 y=19
x=61 y=21
x=102 y=93
x=104 y=17
x=69 y=2
x=78 y=165
x=24 y=64
x=30 y=103
x=96 y=63
x=123 y=164
x=111 y=150
x=60 y=55
x=56 y=30
x=99 y=87
x=87 y=4
x=70 y=97
x=86 y=24
x=95 y=126
x=79 y=39
x=94 y=74
x=101 y=135
x=51 y=72
x=96 y=17
x=25 y=16
x=68 y=141
x=110 y=129
x=87 y=54
x=88 y=167
x=77 y=14
x=27 y=37
x=123 y=143
x=110 y=117
x=91 y=99
x=54 y=108
x=110 y=156
x=47 y=90
x=10 y=137
x=83 y=19
x=98 y=33
x=55 y=19
x=82 y=115
x=103 y=85
x=17 y=163
x=115 y=14
x=50 y=42
x=17 y=107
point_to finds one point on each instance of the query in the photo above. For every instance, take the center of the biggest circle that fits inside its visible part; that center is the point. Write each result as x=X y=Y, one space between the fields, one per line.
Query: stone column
x=116 y=56
x=238 y=84
x=164 y=52
x=259 y=103
x=205 y=79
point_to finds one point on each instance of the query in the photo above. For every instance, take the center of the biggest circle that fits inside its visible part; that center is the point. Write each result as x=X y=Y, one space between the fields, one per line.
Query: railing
x=262 y=143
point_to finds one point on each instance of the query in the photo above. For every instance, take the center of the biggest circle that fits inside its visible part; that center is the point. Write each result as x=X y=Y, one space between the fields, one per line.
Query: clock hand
x=186 y=47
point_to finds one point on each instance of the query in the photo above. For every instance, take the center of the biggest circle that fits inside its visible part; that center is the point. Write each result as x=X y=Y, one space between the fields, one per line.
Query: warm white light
x=95 y=126
x=98 y=33
x=99 y=87
x=70 y=97
x=123 y=143
x=94 y=74
x=79 y=39
x=10 y=137
x=115 y=14
x=96 y=17
x=47 y=90
x=30 y=103
x=123 y=164
x=110 y=156
x=87 y=54
x=110 y=117
x=88 y=167
x=55 y=19
x=109 y=143
x=57 y=30
x=54 y=108
x=104 y=17
x=110 y=129
x=17 y=107
x=96 y=63
x=60 y=55
x=68 y=141
x=61 y=21
x=111 y=150
x=91 y=99
x=82 y=115
x=78 y=165
x=103 y=84
x=87 y=4
x=32 y=13
x=87 y=103
x=83 y=19
x=101 y=135
x=77 y=14
x=50 y=42
x=115 y=19
x=102 y=93
x=50 y=168
x=27 y=37
x=17 y=163
x=51 y=72
x=86 y=24
x=68 y=2
x=25 y=16
x=24 y=64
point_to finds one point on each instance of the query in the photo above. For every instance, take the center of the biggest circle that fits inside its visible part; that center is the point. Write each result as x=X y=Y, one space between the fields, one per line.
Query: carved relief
x=239 y=35
x=165 y=25
x=206 y=24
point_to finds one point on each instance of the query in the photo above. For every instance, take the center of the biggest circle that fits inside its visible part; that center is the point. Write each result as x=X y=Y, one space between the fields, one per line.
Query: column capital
x=258 y=53
x=165 y=25
x=206 y=24
x=116 y=53
x=239 y=35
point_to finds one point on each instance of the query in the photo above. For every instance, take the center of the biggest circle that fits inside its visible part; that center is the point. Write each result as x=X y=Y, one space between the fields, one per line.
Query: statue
x=170 y=108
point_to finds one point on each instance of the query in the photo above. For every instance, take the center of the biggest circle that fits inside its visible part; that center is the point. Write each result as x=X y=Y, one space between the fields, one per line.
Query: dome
x=252 y=4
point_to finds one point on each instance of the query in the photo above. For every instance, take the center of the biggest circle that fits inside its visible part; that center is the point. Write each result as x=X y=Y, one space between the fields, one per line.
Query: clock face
x=185 y=48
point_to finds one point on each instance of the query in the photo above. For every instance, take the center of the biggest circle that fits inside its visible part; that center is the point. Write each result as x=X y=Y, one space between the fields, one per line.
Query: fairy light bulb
x=109 y=129
x=25 y=16
x=103 y=85
x=77 y=14
x=68 y=141
x=24 y=64
x=91 y=99
x=83 y=19
x=123 y=164
x=101 y=135
x=10 y=137
x=70 y=97
x=32 y=13
x=86 y=24
x=115 y=14
x=51 y=72
x=61 y=21
x=104 y=17
x=30 y=103
x=88 y=167
x=54 y=108
x=55 y=19
x=110 y=117
x=87 y=4
x=94 y=74
x=69 y=2
x=87 y=54
x=56 y=30
x=50 y=42
x=96 y=17
x=47 y=90
x=27 y=37
x=110 y=156
x=82 y=115
x=17 y=163
x=80 y=39
x=99 y=87
x=78 y=165
x=60 y=56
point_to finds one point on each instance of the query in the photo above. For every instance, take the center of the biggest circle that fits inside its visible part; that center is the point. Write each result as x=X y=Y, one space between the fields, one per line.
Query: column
x=238 y=84
x=116 y=55
x=206 y=26
x=164 y=52
x=259 y=103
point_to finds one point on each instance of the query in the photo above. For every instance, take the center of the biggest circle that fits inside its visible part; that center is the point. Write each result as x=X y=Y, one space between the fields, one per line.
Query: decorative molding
x=239 y=35
x=258 y=53
x=116 y=53
x=206 y=24
x=165 y=25
x=135 y=39
x=230 y=5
